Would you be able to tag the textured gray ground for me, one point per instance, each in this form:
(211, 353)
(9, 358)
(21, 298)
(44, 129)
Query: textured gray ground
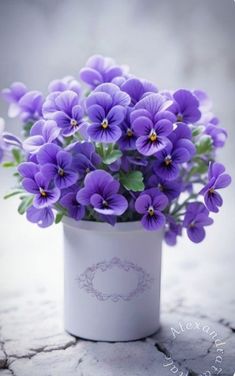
(176, 43)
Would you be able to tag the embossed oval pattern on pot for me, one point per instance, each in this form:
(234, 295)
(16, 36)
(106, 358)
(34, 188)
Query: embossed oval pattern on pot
(115, 280)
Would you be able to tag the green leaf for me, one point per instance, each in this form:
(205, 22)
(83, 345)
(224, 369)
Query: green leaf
(12, 194)
(132, 181)
(112, 156)
(25, 204)
(17, 155)
(59, 217)
(8, 164)
(204, 145)
(197, 130)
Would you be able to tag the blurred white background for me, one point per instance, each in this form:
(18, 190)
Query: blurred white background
(183, 43)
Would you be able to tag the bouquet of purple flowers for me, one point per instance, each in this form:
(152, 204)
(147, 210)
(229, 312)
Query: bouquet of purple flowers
(120, 150)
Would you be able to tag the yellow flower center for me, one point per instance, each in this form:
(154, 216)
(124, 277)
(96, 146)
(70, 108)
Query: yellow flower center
(129, 132)
(168, 160)
(180, 117)
(73, 122)
(42, 192)
(105, 204)
(153, 136)
(105, 124)
(61, 172)
(151, 211)
(211, 190)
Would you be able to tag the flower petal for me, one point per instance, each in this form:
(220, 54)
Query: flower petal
(142, 203)
(154, 222)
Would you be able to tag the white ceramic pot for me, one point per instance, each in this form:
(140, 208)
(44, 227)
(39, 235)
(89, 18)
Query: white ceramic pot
(112, 279)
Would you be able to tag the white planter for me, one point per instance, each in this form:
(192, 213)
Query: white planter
(112, 279)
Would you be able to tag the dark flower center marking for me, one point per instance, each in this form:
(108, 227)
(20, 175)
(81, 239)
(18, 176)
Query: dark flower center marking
(151, 211)
(192, 224)
(42, 192)
(211, 191)
(73, 123)
(87, 170)
(180, 117)
(105, 204)
(60, 171)
(168, 160)
(129, 132)
(160, 187)
(153, 136)
(105, 124)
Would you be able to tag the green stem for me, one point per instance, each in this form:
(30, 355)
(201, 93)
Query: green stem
(194, 195)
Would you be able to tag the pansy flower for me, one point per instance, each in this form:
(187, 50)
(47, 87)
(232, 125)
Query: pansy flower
(137, 88)
(170, 188)
(43, 217)
(74, 208)
(168, 161)
(217, 180)
(106, 108)
(185, 106)
(34, 182)
(12, 95)
(85, 158)
(66, 110)
(128, 138)
(152, 123)
(150, 204)
(196, 218)
(101, 192)
(63, 84)
(173, 229)
(42, 132)
(99, 70)
(56, 165)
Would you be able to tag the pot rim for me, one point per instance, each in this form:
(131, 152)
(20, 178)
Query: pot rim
(102, 226)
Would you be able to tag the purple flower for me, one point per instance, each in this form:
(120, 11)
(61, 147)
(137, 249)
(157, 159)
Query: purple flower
(100, 191)
(57, 165)
(34, 182)
(31, 106)
(66, 83)
(42, 132)
(137, 89)
(150, 203)
(99, 70)
(128, 138)
(75, 210)
(173, 229)
(217, 180)
(218, 135)
(12, 96)
(106, 108)
(196, 218)
(152, 124)
(43, 217)
(185, 106)
(171, 188)
(85, 159)
(168, 162)
(66, 110)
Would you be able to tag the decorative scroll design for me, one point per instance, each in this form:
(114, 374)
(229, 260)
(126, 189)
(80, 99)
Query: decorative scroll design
(86, 280)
